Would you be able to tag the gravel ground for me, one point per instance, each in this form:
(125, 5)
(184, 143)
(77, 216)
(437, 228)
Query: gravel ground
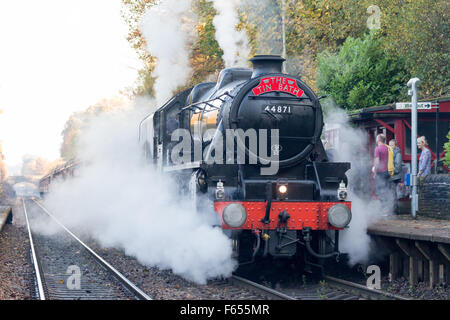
(399, 287)
(16, 272)
(420, 291)
(164, 285)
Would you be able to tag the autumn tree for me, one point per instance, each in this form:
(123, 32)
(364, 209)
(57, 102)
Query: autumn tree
(79, 120)
(206, 53)
(263, 21)
(132, 12)
(313, 26)
(418, 31)
(206, 57)
(413, 33)
(34, 165)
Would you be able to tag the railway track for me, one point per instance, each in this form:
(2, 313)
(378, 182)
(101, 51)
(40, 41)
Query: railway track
(248, 284)
(329, 289)
(66, 268)
(361, 291)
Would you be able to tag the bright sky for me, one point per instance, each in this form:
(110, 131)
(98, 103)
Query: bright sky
(57, 57)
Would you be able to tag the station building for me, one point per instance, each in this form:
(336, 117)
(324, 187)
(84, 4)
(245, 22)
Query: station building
(394, 121)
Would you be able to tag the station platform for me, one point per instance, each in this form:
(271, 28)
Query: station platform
(404, 226)
(419, 249)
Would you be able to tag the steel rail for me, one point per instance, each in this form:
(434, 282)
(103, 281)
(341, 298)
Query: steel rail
(361, 289)
(253, 285)
(339, 286)
(132, 287)
(34, 257)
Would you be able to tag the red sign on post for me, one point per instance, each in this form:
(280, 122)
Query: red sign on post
(282, 84)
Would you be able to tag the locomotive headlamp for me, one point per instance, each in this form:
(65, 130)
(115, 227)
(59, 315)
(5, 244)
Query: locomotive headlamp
(234, 215)
(220, 191)
(282, 191)
(339, 215)
(342, 191)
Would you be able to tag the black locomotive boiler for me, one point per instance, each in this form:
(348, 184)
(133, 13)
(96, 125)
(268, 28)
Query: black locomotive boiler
(248, 149)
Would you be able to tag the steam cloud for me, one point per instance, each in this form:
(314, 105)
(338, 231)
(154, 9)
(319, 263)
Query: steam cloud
(233, 42)
(121, 202)
(117, 200)
(352, 147)
(168, 29)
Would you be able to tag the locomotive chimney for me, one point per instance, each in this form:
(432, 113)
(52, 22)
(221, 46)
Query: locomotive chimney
(264, 64)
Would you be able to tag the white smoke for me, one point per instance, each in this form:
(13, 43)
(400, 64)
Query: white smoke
(352, 147)
(121, 202)
(233, 42)
(169, 29)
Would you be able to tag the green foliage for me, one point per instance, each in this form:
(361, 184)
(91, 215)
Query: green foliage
(361, 74)
(447, 151)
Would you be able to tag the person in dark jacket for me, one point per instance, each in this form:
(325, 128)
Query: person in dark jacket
(397, 177)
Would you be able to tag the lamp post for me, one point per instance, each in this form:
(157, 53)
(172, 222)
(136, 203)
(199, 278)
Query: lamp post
(283, 26)
(413, 84)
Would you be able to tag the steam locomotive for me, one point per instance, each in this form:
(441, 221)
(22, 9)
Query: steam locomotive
(247, 148)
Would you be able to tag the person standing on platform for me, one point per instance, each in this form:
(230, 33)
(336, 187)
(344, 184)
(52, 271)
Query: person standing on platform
(397, 177)
(425, 158)
(382, 178)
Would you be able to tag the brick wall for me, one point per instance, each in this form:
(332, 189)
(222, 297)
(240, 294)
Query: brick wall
(434, 196)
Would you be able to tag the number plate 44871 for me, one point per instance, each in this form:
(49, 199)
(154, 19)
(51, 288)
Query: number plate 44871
(278, 109)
